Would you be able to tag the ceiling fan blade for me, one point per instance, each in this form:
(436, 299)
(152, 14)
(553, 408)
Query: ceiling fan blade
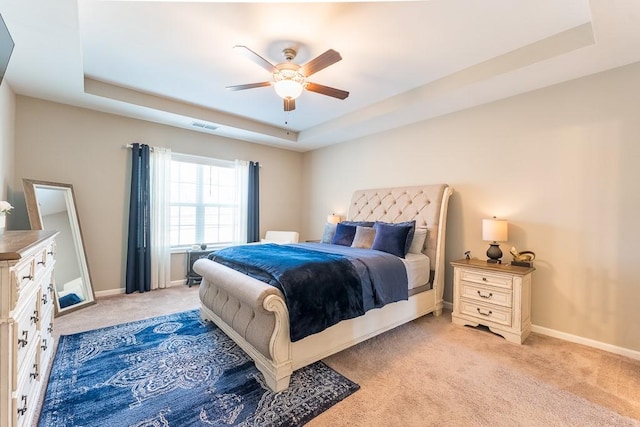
(249, 86)
(326, 90)
(289, 104)
(320, 63)
(255, 58)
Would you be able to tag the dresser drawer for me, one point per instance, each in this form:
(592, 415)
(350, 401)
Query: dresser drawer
(47, 294)
(27, 320)
(24, 274)
(489, 295)
(26, 395)
(46, 339)
(486, 313)
(490, 279)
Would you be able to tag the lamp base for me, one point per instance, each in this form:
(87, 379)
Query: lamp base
(494, 253)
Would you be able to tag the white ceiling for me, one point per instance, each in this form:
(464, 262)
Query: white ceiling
(169, 62)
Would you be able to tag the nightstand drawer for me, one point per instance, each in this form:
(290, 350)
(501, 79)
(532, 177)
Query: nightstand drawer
(490, 295)
(486, 313)
(502, 281)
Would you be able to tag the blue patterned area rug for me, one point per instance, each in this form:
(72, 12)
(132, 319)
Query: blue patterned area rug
(176, 370)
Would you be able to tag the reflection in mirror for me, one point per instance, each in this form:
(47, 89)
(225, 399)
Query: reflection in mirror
(51, 206)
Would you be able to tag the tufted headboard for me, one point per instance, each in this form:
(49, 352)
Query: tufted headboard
(426, 204)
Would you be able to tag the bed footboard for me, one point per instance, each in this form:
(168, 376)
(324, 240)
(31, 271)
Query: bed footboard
(253, 314)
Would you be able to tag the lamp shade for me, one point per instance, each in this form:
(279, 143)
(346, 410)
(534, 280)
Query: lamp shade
(333, 219)
(495, 230)
(288, 89)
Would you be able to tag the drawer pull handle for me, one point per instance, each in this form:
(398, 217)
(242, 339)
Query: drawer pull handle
(484, 314)
(44, 264)
(485, 296)
(484, 279)
(35, 318)
(29, 277)
(34, 374)
(22, 342)
(50, 287)
(44, 299)
(23, 410)
(44, 345)
(50, 253)
(50, 328)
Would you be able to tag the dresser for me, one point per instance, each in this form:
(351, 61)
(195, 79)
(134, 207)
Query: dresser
(27, 261)
(494, 295)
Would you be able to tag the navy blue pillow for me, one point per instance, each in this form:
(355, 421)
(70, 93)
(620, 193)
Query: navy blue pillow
(394, 238)
(344, 234)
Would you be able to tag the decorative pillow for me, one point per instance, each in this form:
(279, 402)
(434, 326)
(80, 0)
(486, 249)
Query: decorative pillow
(394, 238)
(417, 243)
(344, 234)
(329, 232)
(364, 237)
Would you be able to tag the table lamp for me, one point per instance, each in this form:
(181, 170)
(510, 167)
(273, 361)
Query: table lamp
(333, 218)
(494, 230)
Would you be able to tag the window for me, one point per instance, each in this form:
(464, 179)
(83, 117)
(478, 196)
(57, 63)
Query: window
(204, 201)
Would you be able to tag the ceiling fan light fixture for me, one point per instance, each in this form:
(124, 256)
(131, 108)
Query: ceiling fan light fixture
(290, 79)
(288, 89)
(288, 83)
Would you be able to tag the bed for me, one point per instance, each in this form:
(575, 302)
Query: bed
(255, 315)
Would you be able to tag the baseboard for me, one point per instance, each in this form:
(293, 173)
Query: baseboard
(632, 354)
(112, 292)
(109, 293)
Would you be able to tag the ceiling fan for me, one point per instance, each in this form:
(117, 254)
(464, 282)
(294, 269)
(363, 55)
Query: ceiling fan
(289, 78)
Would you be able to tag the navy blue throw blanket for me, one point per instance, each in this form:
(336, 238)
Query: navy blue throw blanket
(320, 289)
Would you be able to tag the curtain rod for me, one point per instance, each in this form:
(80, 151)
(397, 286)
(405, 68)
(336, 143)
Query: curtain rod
(151, 149)
(131, 146)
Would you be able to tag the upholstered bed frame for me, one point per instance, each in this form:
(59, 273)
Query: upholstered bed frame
(255, 316)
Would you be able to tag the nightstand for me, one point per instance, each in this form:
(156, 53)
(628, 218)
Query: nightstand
(194, 278)
(494, 295)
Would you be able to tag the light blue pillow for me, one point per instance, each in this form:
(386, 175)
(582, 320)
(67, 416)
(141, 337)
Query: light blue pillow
(329, 232)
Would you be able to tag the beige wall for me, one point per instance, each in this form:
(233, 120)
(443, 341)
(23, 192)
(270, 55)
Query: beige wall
(7, 138)
(561, 164)
(59, 143)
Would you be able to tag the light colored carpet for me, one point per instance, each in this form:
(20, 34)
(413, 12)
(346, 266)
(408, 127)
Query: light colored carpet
(430, 372)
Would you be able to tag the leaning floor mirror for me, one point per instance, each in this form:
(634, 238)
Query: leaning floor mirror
(51, 206)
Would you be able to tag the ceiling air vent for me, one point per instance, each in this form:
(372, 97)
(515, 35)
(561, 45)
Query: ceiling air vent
(202, 125)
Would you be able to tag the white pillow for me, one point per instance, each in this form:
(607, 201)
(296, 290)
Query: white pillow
(419, 237)
(364, 237)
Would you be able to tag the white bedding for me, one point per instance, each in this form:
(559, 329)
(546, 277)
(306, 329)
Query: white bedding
(418, 269)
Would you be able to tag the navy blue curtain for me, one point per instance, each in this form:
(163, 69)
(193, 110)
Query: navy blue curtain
(139, 244)
(253, 207)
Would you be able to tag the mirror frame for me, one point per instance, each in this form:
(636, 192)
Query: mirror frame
(35, 218)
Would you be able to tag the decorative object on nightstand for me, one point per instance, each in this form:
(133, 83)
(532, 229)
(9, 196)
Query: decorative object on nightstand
(494, 295)
(522, 259)
(494, 230)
